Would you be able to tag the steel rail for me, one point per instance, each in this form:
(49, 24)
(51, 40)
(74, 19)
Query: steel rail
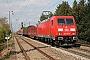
(22, 50)
(76, 52)
(87, 45)
(48, 56)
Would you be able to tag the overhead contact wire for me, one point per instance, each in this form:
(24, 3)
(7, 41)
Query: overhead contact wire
(24, 8)
(8, 5)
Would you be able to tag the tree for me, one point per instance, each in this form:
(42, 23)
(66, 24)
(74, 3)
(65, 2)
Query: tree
(2, 34)
(82, 15)
(3, 20)
(63, 9)
(51, 14)
(6, 28)
(43, 16)
(5, 25)
(75, 10)
(81, 19)
(87, 19)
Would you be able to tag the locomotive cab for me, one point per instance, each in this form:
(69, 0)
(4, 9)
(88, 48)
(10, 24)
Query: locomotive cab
(64, 30)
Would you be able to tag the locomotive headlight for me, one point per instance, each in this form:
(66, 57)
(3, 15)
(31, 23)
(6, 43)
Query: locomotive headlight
(60, 29)
(73, 33)
(72, 29)
(60, 33)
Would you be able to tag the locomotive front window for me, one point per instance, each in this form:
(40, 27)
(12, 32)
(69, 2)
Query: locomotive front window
(61, 21)
(69, 21)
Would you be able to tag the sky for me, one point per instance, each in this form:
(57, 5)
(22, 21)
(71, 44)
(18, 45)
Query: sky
(27, 11)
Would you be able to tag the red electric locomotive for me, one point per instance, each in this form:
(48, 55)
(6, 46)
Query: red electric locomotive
(58, 30)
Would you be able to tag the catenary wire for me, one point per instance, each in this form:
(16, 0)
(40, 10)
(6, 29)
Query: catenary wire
(51, 6)
(8, 5)
(54, 4)
(24, 9)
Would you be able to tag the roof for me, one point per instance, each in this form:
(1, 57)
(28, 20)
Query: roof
(61, 17)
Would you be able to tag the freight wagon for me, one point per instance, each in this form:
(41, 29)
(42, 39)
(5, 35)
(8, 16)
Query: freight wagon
(32, 31)
(25, 31)
(20, 32)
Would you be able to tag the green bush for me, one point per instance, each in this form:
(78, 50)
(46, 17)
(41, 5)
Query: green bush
(2, 35)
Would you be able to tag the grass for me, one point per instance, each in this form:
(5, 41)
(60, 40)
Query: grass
(4, 46)
(82, 41)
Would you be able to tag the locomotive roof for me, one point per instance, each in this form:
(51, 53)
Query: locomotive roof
(61, 17)
(53, 17)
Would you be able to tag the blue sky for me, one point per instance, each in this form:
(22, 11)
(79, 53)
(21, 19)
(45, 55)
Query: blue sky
(27, 10)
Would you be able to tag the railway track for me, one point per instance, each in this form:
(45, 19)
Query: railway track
(22, 50)
(87, 45)
(52, 52)
(26, 55)
(35, 50)
(83, 51)
(57, 53)
(48, 56)
(79, 53)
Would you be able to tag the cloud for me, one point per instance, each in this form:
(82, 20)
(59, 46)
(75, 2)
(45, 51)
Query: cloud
(27, 9)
